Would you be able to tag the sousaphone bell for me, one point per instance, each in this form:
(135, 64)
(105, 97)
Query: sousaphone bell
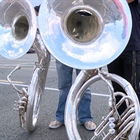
(17, 28)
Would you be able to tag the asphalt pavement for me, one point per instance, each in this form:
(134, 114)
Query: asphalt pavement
(9, 121)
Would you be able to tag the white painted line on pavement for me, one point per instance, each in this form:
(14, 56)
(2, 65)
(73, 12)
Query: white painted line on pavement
(52, 89)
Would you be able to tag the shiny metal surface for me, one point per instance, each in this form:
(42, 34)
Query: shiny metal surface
(85, 34)
(17, 27)
(126, 126)
(38, 81)
(29, 101)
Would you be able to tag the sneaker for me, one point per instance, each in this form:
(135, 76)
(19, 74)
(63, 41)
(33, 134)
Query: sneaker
(89, 125)
(55, 124)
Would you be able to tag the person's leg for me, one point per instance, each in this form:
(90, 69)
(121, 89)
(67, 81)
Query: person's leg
(117, 67)
(138, 76)
(84, 110)
(132, 69)
(127, 65)
(134, 73)
(137, 73)
(64, 84)
(135, 79)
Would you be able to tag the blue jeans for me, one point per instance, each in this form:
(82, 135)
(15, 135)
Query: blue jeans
(64, 85)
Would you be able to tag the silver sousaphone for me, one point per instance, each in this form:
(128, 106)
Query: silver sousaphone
(88, 34)
(18, 32)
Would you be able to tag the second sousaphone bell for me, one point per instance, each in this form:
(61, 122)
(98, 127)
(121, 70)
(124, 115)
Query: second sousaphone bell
(85, 34)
